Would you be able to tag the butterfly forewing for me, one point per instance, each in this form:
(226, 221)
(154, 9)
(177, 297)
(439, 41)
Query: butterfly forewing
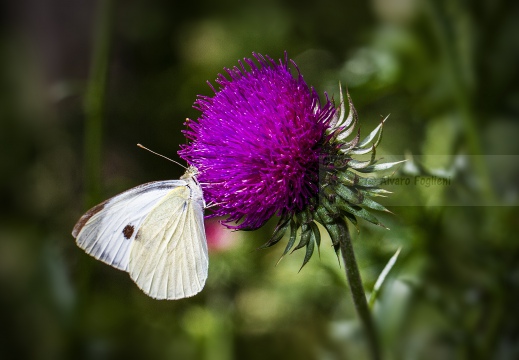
(107, 231)
(169, 257)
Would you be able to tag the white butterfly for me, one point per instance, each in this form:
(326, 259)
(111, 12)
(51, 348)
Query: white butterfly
(155, 232)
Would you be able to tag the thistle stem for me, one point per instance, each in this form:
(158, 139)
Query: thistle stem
(357, 290)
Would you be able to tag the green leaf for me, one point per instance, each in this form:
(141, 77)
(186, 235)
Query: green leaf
(373, 205)
(316, 236)
(359, 151)
(362, 213)
(293, 235)
(379, 167)
(371, 181)
(354, 164)
(306, 233)
(309, 250)
(278, 233)
(377, 192)
(351, 120)
(382, 277)
(327, 191)
(372, 135)
(305, 217)
(324, 215)
(332, 209)
(348, 194)
(333, 230)
(316, 232)
(347, 177)
(352, 219)
(347, 146)
(338, 117)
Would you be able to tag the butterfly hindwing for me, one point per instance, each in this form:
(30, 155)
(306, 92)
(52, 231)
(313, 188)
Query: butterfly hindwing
(169, 258)
(108, 230)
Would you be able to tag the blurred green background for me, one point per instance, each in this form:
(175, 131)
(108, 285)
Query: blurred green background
(83, 81)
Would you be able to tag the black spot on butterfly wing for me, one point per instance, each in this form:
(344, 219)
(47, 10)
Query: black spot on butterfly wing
(138, 190)
(128, 231)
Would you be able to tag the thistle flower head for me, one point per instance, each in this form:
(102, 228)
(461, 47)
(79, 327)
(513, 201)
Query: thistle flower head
(264, 145)
(257, 142)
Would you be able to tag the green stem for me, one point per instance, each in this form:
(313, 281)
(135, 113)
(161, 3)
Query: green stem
(446, 33)
(94, 102)
(93, 108)
(357, 290)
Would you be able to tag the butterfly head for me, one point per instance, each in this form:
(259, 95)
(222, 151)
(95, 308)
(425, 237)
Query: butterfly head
(190, 172)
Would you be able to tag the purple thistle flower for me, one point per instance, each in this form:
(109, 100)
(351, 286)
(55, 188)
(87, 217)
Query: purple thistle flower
(258, 142)
(264, 146)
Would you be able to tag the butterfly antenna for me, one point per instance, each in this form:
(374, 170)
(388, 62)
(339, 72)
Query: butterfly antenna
(165, 157)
